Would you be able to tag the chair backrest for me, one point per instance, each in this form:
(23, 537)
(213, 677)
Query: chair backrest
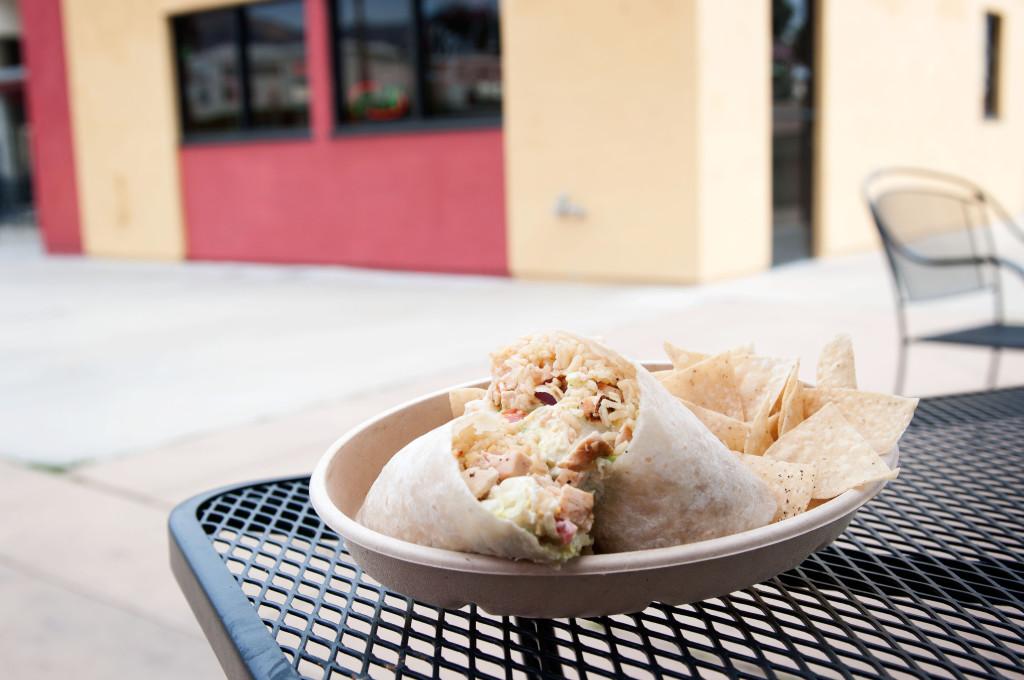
(921, 214)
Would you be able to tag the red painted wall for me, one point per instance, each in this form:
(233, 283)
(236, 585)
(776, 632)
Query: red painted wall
(425, 201)
(49, 115)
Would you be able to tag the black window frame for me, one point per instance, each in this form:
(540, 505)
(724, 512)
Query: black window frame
(417, 121)
(991, 97)
(246, 132)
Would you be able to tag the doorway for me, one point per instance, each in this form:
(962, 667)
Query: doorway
(792, 128)
(15, 168)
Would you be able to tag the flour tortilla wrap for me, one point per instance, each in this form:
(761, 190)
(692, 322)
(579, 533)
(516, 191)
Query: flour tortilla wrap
(677, 484)
(420, 497)
(669, 480)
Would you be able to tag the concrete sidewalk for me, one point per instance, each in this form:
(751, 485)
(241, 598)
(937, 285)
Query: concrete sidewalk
(146, 383)
(100, 359)
(133, 355)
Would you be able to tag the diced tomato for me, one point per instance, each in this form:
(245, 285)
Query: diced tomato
(513, 415)
(566, 530)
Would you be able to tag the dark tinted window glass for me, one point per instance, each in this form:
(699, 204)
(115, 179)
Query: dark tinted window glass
(462, 57)
(276, 55)
(792, 51)
(211, 86)
(10, 51)
(375, 55)
(993, 31)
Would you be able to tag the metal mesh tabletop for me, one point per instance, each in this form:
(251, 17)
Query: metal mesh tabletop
(928, 580)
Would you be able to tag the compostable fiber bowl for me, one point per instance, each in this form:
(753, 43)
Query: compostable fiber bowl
(592, 585)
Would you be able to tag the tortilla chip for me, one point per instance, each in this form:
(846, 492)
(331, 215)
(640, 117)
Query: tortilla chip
(458, 398)
(842, 458)
(682, 358)
(710, 383)
(773, 425)
(790, 483)
(731, 432)
(835, 364)
(791, 411)
(759, 438)
(758, 379)
(879, 418)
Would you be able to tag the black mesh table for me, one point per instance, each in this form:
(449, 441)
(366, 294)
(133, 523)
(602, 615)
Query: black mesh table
(928, 580)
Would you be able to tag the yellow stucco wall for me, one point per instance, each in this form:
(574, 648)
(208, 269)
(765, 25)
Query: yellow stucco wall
(124, 120)
(733, 138)
(599, 105)
(653, 116)
(901, 84)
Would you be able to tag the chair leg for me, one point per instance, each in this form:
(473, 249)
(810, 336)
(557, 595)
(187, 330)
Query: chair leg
(993, 367)
(901, 367)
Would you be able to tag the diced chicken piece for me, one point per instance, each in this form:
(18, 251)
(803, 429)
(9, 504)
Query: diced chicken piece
(586, 452)
(576, 506)
(545, 482)
(569, 477)
(480, 480)
(507, 465)
(508, 398)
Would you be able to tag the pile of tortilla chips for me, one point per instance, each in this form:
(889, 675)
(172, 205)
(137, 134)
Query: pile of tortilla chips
(809, 444)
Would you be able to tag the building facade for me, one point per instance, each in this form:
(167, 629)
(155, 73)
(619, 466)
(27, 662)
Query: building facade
(649, 140)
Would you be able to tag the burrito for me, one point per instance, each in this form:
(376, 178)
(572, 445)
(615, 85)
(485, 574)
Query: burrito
(570, 444)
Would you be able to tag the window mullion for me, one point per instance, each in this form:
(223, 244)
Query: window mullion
(243, 67)
(339, 82)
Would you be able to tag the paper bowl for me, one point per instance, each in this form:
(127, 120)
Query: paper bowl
(592, 585)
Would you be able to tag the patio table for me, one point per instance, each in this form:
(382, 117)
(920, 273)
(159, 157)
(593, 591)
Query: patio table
(928, 580)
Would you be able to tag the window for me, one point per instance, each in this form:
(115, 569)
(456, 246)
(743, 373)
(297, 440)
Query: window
(416, 60)
(376, 58)
(462, 58)
(242, 69)
(993, 48)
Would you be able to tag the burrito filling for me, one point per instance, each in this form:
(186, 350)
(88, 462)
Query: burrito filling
(535, 449)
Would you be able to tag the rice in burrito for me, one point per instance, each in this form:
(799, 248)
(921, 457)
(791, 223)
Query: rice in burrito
(566, 431)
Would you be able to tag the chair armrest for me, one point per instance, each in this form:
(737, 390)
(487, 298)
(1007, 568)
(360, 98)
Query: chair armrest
(966, 261)
(970, 261)
(893, 245)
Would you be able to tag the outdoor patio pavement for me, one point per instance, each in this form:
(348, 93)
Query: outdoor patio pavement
(126, 387)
